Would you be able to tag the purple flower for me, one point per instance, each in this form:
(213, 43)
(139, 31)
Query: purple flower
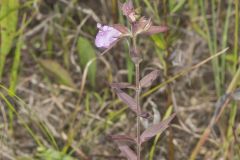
(106, 36)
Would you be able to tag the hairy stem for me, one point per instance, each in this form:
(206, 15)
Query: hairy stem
(138, 111)
(137, 89)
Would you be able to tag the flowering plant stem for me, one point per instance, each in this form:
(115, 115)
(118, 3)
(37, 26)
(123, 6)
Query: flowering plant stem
(138, 110)
(137, 90)
(106, 38)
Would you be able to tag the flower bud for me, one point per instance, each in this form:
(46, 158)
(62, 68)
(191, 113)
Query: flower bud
(128, 11)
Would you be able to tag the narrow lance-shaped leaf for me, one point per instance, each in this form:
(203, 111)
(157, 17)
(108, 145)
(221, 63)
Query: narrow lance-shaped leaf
(156, 129)
(122, 85)
(130, 102)
(128, 152)
(122, 138)
(156, 29)
(149, 78)
(127, 99)
(121, 28)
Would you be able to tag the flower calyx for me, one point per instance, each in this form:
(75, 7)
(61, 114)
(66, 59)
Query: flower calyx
(144, 26)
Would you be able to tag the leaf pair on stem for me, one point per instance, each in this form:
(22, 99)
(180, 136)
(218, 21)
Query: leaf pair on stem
(155, 129)
(132, 104)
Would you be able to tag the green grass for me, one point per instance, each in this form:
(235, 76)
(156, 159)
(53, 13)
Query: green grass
(233, 110)
(8, 29)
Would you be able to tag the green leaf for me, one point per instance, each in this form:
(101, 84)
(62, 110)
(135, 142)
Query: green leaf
(8, 27)
(55, 70)
(86, 53)
(51, 154)
(159, 41)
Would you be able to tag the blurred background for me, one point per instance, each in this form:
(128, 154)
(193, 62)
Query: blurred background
(55, 99)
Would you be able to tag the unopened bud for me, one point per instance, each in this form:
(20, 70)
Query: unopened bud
(129, 11)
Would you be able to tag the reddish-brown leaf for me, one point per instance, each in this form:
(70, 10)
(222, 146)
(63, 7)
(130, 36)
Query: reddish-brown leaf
(127, 99)
(121, 28)
(156, 29)
(123, 138)
(130, 102)
(156, 129)
(122, 85)
(149, 78)
(128, 152)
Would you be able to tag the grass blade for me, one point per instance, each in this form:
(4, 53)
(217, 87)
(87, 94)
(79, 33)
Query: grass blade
(16, 60)
(8, 27)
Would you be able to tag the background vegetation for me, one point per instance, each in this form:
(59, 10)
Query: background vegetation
(55, 99)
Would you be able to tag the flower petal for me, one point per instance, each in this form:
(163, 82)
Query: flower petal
(106, 36)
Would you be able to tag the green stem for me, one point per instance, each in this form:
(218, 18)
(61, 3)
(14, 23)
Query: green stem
(236, 34)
